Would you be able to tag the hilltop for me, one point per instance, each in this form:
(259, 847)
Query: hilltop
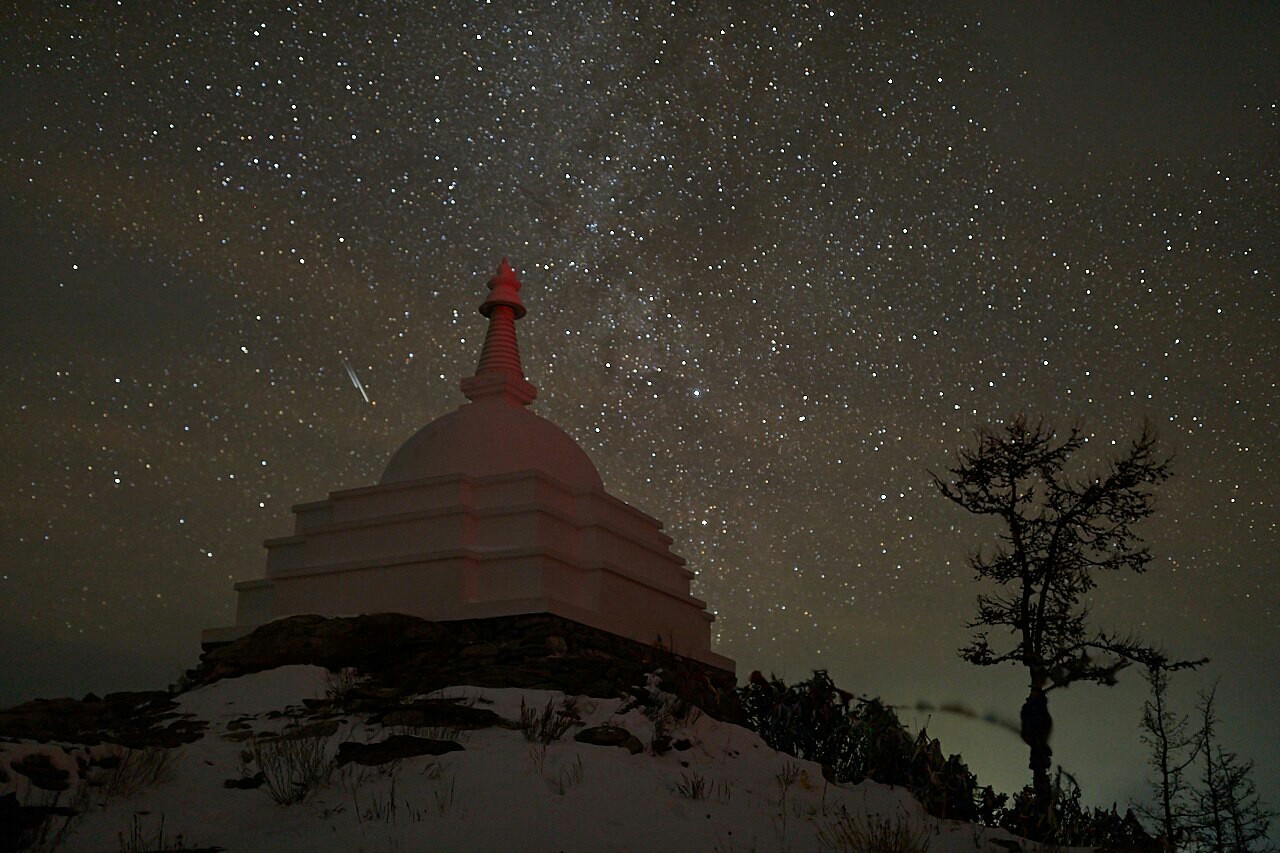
(386, 733)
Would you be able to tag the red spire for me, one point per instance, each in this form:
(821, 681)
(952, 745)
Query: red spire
(499, 371)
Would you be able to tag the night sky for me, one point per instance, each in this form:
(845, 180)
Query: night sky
(780, 260)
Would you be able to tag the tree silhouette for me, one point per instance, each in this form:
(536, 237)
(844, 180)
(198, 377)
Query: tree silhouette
(1057, 531)
(1173, 748)
(1230, 816)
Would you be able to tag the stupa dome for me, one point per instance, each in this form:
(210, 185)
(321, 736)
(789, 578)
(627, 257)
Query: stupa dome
(495, 433)
(490, 437)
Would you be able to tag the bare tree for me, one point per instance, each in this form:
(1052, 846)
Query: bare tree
(1173, 749)
(1230, 816)
(1056, 533)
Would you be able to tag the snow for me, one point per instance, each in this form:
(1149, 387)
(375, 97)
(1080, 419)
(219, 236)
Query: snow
(726, 791)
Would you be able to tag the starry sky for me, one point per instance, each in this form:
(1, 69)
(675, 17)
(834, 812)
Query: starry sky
(780, 260)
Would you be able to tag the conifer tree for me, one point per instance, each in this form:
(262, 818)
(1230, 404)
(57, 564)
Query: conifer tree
(1057, 531)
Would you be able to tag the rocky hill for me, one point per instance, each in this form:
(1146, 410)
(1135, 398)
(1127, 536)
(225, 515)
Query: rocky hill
(390, 733)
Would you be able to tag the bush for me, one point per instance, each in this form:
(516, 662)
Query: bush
(134, 770)
(1072, 824)
(857, 739)
(294, 766)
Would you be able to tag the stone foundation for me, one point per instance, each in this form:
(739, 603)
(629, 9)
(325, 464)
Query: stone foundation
(534, 651)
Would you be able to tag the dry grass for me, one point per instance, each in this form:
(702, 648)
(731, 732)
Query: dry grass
(873, 835)
(294, 766)
(549, 725)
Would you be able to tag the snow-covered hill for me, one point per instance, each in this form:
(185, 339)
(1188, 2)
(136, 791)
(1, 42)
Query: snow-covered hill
(660, 776)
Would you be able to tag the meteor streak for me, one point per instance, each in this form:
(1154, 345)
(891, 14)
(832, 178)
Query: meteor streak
(355, 380)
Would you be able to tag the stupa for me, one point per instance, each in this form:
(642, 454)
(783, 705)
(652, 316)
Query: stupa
(490, 511)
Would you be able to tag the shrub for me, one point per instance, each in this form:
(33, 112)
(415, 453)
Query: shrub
(858, 739)
(137, 769)
(1070, 823)
(294, 766)
(339, 685)
(551, 724)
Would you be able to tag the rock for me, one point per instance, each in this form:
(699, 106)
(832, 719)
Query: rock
(246, 783)
(441, 713)
(403, 655)
(320, 728)
(39, 768)
(21, 825)
(131, 719)
(371, 642)
(393, 748)
(610, 736)
(480, 650)
(176, 734)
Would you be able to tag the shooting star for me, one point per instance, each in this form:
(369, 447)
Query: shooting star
(355, 380)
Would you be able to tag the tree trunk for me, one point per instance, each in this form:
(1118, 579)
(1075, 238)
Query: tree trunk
(1160, 731)
(1037, 725)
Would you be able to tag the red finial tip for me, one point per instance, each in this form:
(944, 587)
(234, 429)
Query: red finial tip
(504, 289)
(499, 373)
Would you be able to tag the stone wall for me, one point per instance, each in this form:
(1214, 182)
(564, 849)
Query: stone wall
(409, 655)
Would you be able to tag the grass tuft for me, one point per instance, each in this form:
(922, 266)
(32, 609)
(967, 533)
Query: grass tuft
(139, 840)
(551, 724)
(294, 766)
(873, 835)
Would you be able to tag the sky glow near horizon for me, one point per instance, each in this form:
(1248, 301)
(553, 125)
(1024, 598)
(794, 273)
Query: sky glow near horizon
(779, 261)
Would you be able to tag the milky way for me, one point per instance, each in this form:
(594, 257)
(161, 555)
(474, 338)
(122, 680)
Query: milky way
(779, 260)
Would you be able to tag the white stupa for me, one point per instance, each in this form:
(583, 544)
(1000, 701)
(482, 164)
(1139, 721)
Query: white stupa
(489, 511)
